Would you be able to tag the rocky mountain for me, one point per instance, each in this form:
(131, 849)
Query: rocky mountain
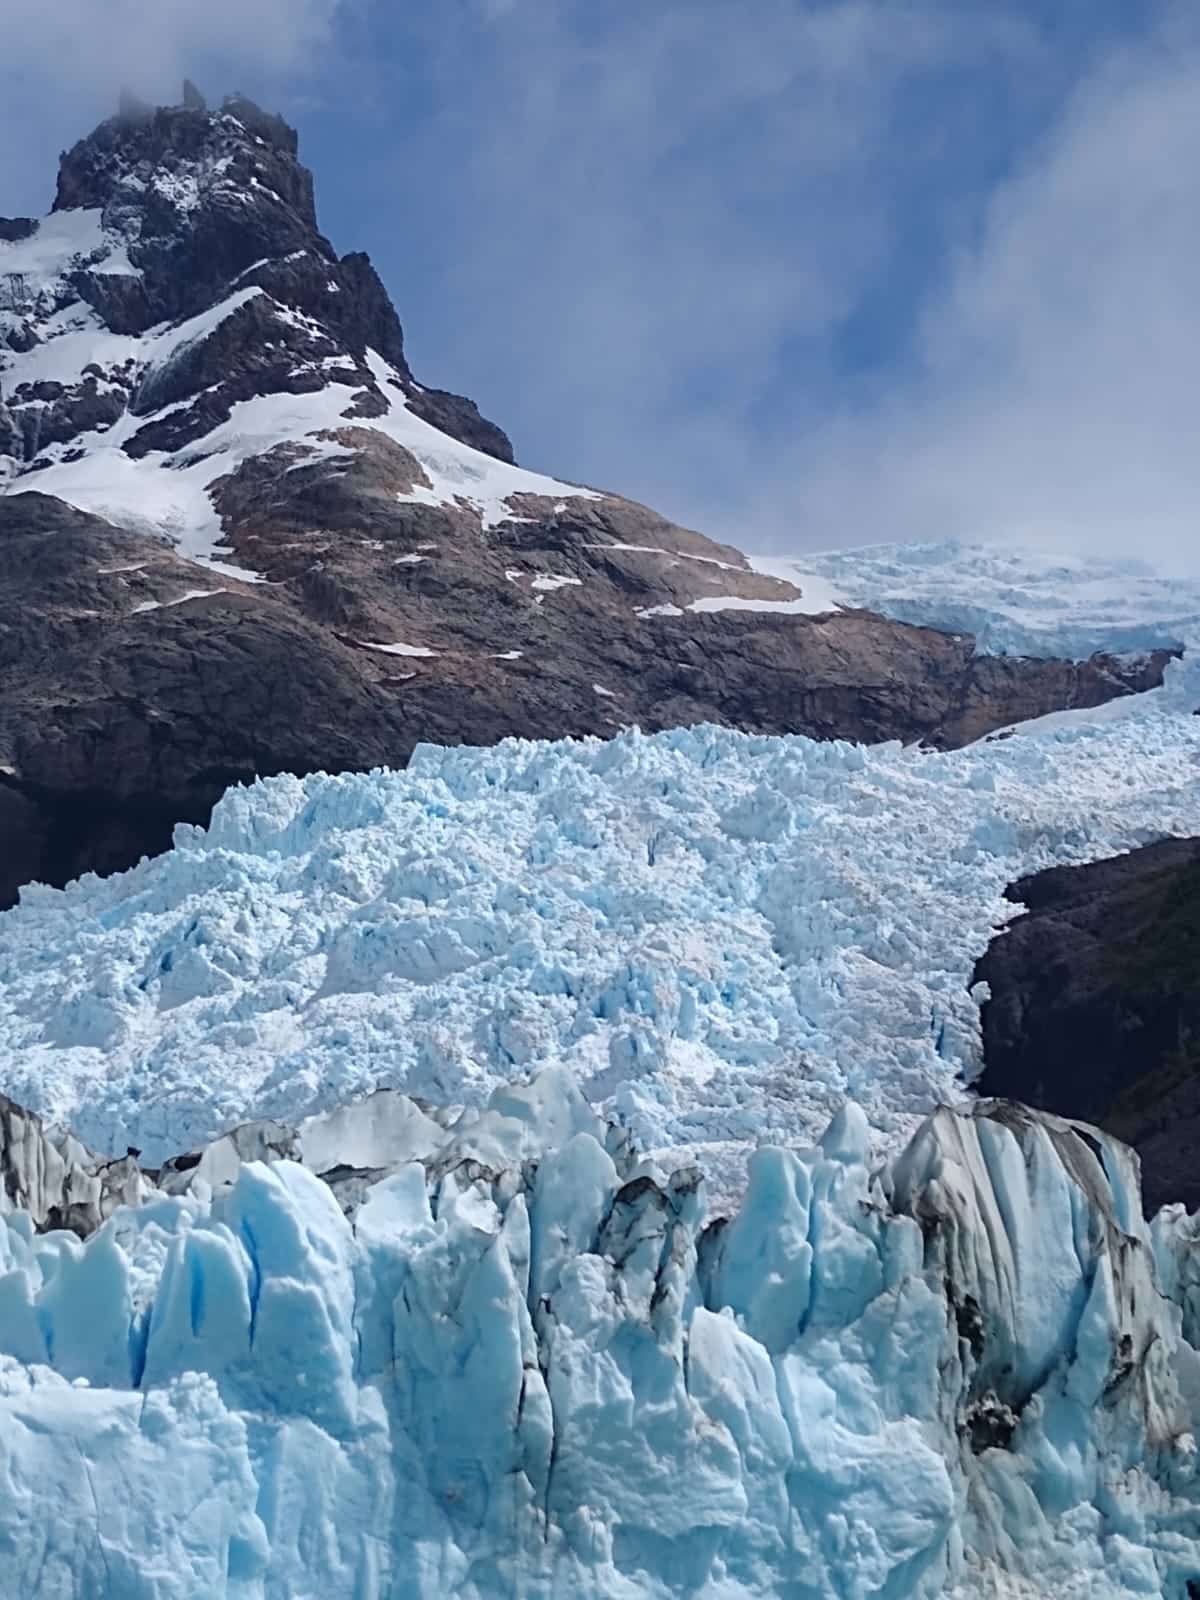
(1095, 1005)
(237, 536)
(551, 1168)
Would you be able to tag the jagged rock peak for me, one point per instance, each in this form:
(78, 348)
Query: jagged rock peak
(162, 216)
(151, 152)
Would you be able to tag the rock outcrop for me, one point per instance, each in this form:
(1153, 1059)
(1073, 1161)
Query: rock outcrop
(1095, 1006)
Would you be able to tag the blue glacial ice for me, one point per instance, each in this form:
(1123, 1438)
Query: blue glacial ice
(519, 1363)
(621, 1226)
(720, 936)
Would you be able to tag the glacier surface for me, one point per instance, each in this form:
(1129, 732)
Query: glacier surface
(1015, 601)
(720, 936)
(522, 1365)
(464, 1319)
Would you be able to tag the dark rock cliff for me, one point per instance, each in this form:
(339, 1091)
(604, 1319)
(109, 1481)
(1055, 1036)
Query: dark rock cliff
(181, 311)
(1095, 1006)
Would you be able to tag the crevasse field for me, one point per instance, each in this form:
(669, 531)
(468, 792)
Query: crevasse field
(721, 936)
(525, 1367)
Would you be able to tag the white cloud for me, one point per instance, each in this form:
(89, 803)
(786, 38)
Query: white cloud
(150, 43)
(635, 234)
(62, 65)
(659, 224)
(650, 203)
(1056, 399)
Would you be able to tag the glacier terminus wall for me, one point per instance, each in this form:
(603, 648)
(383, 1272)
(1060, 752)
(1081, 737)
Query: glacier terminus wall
(503, 1356)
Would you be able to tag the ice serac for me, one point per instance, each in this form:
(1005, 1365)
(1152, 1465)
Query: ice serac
(54, 1180)
(720, 936)
(520, 1361)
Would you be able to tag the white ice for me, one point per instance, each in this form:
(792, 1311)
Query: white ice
(526, 1370)
(1015, 602)
(719, 935)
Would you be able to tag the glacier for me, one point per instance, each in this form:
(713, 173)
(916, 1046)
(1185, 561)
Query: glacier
(521, 1361)
(1022, 602)
(552, 1170)
(721, 936)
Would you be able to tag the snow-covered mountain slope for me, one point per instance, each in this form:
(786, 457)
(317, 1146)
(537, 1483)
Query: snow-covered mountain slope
(1014, 601)
(720, 935)
(178, 314)
(178, 330)
(524, 1367)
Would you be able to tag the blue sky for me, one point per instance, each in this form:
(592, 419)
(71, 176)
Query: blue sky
(801, 274)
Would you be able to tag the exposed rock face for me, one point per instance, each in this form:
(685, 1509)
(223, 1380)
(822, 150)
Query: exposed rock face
(186, 357)
(116, 723)
(1095, 1006)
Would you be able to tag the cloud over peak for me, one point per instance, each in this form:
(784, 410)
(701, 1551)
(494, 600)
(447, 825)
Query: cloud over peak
(849, 270)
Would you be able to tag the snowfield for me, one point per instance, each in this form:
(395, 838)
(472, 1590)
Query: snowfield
(1015, 602)
(719, 936)
(168, 494)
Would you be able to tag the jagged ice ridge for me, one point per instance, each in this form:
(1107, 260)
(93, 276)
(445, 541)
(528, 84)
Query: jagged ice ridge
(524, 1366)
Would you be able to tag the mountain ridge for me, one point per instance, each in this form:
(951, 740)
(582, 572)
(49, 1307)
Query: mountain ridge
(187, 362)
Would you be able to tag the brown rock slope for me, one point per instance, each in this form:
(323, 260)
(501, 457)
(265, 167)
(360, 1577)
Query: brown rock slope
(135, 686)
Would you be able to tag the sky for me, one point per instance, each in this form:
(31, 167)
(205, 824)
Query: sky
(801, 273)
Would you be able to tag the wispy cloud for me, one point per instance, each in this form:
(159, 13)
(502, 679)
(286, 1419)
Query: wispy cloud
(80, 42)
(62, 65)
(1055, 397)
(661, 233)
(653, 217)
